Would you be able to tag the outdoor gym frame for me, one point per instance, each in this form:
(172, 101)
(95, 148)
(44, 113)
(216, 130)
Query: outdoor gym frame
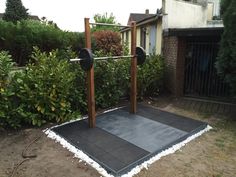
(90, 72)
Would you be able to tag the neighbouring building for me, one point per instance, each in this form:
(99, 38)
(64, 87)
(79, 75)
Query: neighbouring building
(149, 31)
(191, 13)
(191, 35)
(187, 33)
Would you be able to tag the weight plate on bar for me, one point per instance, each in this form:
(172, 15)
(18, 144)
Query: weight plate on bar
(141, 55)
(87, 59)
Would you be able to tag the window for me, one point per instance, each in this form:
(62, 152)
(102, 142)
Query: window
(143, 37)
(123, 37)
(127, 36)
(210, 8)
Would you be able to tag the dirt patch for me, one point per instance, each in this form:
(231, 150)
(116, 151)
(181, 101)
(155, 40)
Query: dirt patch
(212, 155)
(52, 159)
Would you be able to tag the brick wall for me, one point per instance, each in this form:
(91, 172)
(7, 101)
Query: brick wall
(174, 52)
(170, 47)
(180, 67)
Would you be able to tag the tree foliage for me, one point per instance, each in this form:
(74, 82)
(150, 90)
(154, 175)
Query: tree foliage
(226, 60)
(15, 11)
(38, 94)
(20, 38)
(98, 18)
(105, 18)
(108, 42)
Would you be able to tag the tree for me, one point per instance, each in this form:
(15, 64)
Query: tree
(15, 11)
(45, 21)
(226, 60)
(98, 18)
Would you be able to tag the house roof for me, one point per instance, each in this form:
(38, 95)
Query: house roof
(139, 17)
(32, 17)
(148, 19)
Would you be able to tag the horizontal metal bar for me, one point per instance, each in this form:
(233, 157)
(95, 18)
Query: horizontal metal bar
(105, 58)
(113, 57)
(108, 24)
(76, 59)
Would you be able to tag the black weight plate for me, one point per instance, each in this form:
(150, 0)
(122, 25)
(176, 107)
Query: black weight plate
(141, 55)
(87, 59)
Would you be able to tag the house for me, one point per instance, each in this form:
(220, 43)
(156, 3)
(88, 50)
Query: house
(187, 33)
(150, 27)
(32, 17)
(191, 13)
(200, 14)
(149, 31)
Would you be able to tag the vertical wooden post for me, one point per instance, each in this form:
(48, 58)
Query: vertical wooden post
(90, 80)
(133, 95)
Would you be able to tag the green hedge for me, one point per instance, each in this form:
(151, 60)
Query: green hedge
(39, 94)
(19, 39)
(226, 60)
(51, 89)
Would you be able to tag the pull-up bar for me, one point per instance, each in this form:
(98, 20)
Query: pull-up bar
(108, 24)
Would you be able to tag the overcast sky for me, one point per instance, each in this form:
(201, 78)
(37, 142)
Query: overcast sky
(69, 14)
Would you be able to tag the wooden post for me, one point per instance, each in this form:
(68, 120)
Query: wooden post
(133, 95)
(90, 80)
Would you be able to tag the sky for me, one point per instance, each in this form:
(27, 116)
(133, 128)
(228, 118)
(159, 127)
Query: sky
(69, 14)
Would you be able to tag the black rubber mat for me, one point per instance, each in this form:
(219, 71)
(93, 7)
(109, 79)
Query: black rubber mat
(145, 133)
(173, 120)
(123, 140)
(110, 151)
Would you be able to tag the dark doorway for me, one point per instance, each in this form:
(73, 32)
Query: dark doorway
(201, 79)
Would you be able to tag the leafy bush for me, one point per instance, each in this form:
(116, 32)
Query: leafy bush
(8, 108)
(111, 82)
(226, 60)
(44, 89)
(150, 76)
(19, 39)
(39, 94)
(6, 66)
(108, 42)
(50, 89)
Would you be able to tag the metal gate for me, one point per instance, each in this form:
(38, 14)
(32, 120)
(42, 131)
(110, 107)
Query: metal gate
(201, 79)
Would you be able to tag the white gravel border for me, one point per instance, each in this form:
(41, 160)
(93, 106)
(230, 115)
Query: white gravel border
(81, 155)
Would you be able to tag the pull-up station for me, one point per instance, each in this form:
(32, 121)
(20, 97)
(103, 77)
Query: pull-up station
(124, 138)
(108, 24)
(86, 60)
